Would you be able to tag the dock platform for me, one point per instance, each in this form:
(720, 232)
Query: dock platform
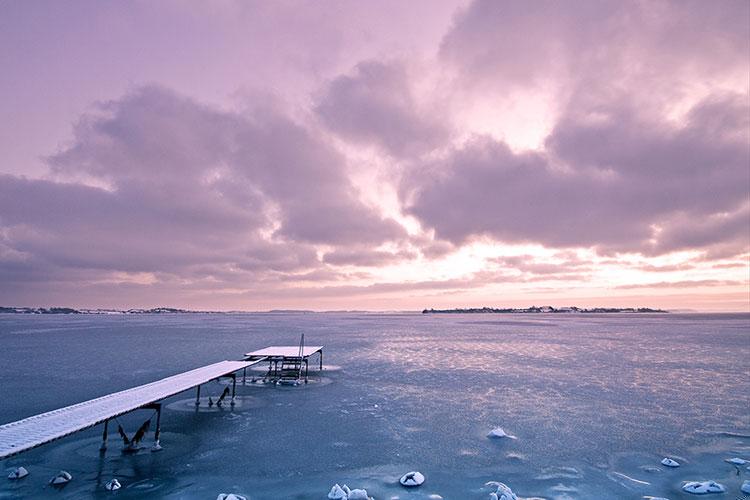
(22, 435)
(287, 363)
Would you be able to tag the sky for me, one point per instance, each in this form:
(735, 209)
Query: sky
(389, 155)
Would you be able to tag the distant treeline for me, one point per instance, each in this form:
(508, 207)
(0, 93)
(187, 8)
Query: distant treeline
(69, 310)
(544, 309)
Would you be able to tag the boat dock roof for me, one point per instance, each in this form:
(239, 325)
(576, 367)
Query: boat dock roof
(31, 432)
(284, 351)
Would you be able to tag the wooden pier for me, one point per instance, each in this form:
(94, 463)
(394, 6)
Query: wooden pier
(28, 433)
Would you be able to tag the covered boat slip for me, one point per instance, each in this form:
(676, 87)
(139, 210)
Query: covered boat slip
(22, 435)
(287, 363)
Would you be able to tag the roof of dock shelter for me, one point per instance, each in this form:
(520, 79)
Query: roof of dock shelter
(284, 351)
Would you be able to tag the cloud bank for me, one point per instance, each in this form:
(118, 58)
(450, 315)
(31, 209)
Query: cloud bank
(402, 175)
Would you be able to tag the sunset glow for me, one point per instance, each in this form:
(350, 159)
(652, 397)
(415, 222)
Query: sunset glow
(333, 155)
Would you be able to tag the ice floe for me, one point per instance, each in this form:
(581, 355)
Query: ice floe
(345, 493)
(499, 433)
(61, 478)
(230, 496)
(745, 488)
(337, 493)
(668, 462)
(703, 487)
(18, 473)
(502, 492)
(358, 494)
(736, 461)
(112, 485)
(413, 478)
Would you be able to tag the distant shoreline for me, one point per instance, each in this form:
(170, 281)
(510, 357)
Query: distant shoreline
(472, 310)
(545, 309)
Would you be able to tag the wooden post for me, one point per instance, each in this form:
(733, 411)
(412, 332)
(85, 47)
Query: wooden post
(103, 447)
(198, 396)
(157, 433)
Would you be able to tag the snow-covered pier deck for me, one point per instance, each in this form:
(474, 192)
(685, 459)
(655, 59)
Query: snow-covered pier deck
(22, 435)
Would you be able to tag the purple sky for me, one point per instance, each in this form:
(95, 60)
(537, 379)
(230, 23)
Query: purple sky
(375, 155)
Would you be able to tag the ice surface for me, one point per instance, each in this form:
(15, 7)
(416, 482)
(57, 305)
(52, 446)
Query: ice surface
(413, 392)
(745, 488)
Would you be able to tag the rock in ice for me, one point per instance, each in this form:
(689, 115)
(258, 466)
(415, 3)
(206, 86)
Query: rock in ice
(62, 477)
(497, 432)
(413, 478)
(230, 496)
(337, 493)
(18, 473)
(736, 461)
(669, 462)
(503, 492)
(745, 488)
(358, 494)
(112, 485)
(703, 487)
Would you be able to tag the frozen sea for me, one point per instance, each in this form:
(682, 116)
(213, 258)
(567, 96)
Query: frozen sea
(592, 402)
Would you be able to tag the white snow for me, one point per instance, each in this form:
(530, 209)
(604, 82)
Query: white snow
(230, 496)
(503, 491)
(412, 478)
(337, 493)
(745, 488)
(736, 461)
(497, 432)
(18, 473)
(669, 462)
(344, 493)
(358, 494)
(62, 477)
(112, 485)
(703, 487)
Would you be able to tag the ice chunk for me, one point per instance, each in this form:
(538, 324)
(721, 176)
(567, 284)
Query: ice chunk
(745, 488)
(62, 477)
(497, 432)
(230, 496)
(703, 487)
(736, 461)
(413, 478)
(112, 485)
(18, 473)
(358, 494)
(669, 462)
(337, 493)
(503, 492)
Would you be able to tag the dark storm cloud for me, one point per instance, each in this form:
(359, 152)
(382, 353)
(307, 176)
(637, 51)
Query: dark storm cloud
(186, 185)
